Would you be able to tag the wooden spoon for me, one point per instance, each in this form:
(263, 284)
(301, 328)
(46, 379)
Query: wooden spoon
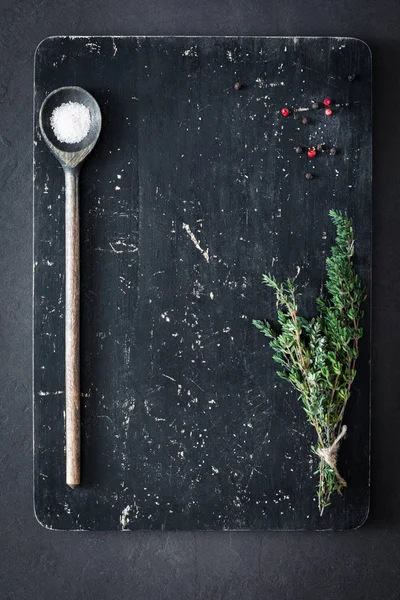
(71, 156)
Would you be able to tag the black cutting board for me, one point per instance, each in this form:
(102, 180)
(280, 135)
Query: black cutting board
(193, 191)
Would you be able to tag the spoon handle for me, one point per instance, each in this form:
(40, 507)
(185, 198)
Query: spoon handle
(72, 375)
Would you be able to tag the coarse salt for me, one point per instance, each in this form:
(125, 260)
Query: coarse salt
(70, 122)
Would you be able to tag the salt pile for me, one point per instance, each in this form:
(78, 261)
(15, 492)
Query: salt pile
(70, 122)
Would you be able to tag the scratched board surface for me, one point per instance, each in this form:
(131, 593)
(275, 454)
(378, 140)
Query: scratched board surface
(193, 191)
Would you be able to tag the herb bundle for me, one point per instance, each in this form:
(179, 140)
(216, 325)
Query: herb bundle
(318, 356)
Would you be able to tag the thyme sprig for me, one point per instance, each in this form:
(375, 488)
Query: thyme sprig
(318, 356)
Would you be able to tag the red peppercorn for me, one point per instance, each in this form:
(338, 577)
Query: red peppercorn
(328, 112)
(285, 112)
(327, 102)
(311, 152)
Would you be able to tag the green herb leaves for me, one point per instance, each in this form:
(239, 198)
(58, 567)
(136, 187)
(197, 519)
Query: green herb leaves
(318, 356)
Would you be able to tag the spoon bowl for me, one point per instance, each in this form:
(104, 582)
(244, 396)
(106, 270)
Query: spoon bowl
(70, 154)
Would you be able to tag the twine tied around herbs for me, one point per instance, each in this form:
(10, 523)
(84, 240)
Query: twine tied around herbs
(329, 455)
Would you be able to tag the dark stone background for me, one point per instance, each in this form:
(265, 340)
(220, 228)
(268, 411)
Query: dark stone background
(39, 564)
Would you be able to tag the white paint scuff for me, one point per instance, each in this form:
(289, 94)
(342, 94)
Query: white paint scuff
(115, 49)
(190, 51)
(125, 518)
(191, 235)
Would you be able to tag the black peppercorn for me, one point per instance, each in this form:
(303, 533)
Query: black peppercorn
(299, 150)
(304, 121)
(320, 147)
(309, 176)
(315, 105)
(333, 151)
(351, 77)
(237, 86)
